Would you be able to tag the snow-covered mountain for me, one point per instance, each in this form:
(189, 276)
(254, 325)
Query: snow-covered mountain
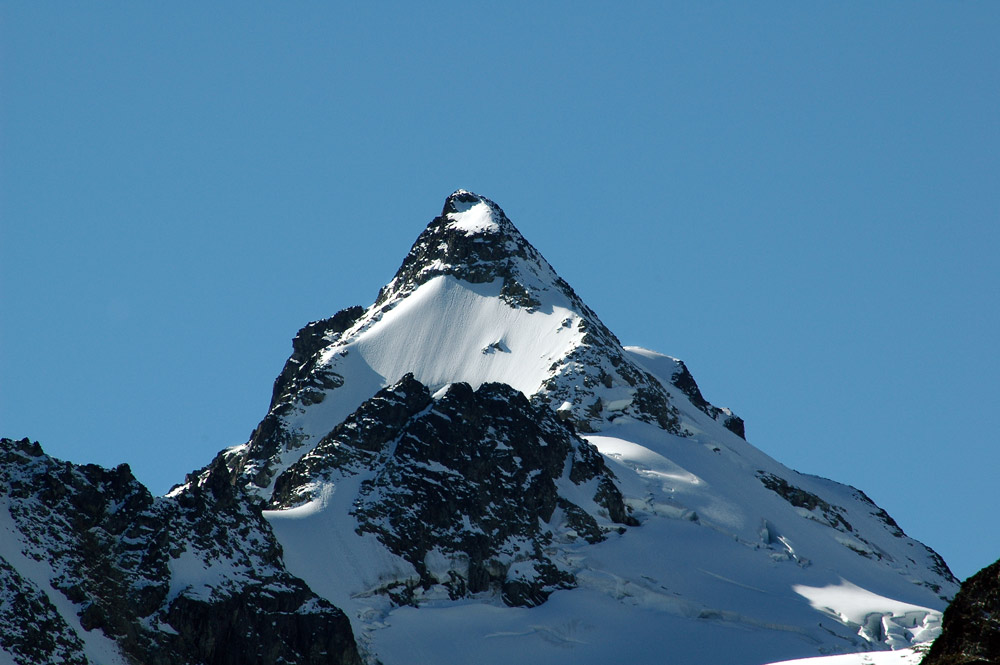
(429, 465)
(475, 470)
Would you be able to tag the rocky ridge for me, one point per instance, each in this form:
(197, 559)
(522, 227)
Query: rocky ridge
(470, 487)
(121, 575)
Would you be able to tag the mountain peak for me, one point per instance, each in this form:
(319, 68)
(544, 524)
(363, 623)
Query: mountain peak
(478, 435)
(474, 240)
(472, 214)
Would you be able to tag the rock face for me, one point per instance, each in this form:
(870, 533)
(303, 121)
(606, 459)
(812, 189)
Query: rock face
(470, 488)
(96, 568)
(971, 628)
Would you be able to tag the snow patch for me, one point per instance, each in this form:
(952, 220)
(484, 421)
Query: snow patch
(911, 656)
(429, 335)
(473, 218)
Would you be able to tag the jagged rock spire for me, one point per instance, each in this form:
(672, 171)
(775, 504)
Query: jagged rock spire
(472, 239)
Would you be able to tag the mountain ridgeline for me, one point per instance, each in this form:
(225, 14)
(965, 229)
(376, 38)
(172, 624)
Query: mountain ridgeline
(471, 469)
(97, 570)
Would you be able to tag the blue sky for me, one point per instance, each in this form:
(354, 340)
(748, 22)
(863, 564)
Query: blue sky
(798, 199)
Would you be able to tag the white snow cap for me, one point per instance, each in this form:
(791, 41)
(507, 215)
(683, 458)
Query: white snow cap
(472, 214)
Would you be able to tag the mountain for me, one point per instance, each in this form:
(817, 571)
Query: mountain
(475, 469)
(477, 442)
(96, 570)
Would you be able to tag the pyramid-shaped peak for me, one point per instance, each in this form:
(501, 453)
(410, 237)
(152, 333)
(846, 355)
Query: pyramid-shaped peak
(473, 240)
(472, 214)
(462, 200)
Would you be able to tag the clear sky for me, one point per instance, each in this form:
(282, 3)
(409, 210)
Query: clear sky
(801, 200)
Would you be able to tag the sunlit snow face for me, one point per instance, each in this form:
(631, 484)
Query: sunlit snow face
(473, 218)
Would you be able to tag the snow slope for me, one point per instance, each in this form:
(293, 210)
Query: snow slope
(901, 657)
(735, 559)
(695, 578)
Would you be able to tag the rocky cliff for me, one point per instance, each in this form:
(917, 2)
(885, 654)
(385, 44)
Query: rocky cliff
(971, 627)
(96, 570)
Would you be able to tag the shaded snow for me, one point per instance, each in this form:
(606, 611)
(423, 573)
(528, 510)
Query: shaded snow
(696, 578)
(322, 547)
(719, 559)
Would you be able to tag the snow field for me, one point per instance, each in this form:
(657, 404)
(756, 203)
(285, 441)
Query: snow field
(901, 657)
(429, 334)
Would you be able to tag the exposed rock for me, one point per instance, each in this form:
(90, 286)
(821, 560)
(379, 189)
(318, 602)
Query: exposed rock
(195, 577)
(473, 477)
(493, 250)
(298, 373)
(971, 626)
(31, 628)
(800, 498)
(684, 381)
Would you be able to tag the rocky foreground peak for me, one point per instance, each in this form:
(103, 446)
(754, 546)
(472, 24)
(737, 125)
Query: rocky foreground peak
(471, 487)
(93, 569)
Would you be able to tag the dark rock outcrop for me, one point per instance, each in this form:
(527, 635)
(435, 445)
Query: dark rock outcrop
(298, 374)
(195, 577)
(971, 626)
(800, 498)
(31, 628)
(496, 251)
(684, 381)
(474, 477)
